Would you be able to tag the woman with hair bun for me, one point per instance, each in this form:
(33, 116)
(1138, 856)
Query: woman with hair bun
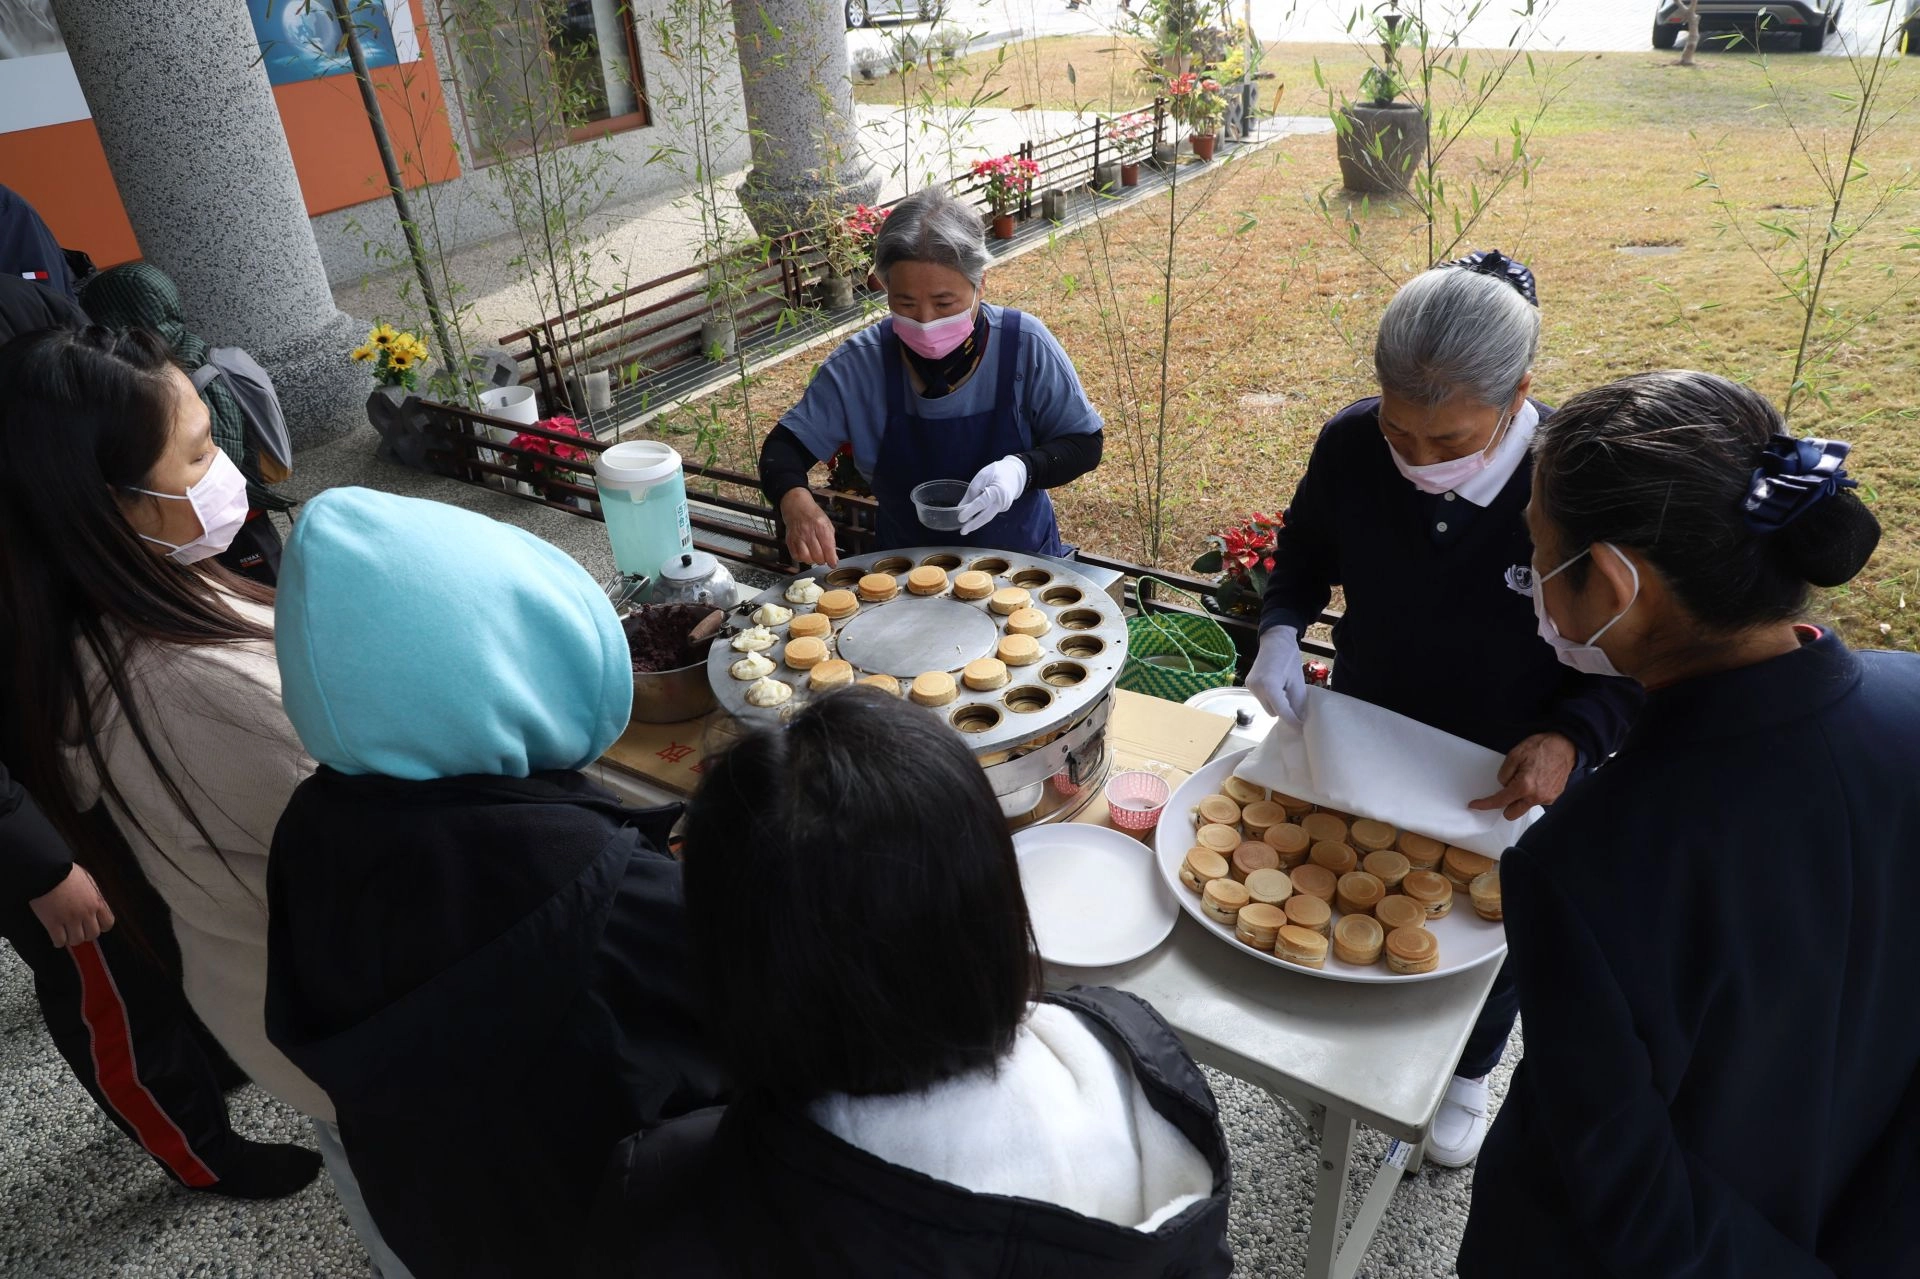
(1708, 934)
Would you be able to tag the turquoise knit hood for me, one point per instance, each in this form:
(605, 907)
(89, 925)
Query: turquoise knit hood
(417, 640)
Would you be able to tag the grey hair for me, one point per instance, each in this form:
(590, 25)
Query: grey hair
(932, 226)
(1453, 331)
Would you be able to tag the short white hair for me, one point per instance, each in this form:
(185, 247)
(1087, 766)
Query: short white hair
(932, 226)
(1451, 331)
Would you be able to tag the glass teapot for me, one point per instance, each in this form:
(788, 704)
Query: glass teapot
(695, 577)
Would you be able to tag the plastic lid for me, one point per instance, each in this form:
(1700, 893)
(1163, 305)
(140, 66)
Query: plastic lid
(637, 462)
(692, 566)
(1233, 702)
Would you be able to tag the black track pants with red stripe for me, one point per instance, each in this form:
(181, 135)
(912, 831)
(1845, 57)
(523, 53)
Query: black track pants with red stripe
(124, 1027)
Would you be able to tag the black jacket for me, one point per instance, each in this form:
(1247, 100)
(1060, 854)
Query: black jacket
(1711, 940)
(760, 1190)
(489, 977)
(1439, 625)
(26, 307)
(33, 857)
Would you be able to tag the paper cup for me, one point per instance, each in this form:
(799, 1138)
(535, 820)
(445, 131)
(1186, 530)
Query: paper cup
(1136, 800)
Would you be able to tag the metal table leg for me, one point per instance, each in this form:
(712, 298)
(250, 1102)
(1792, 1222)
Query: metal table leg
(1330, 1192)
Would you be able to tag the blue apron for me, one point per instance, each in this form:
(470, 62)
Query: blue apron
(917, 449)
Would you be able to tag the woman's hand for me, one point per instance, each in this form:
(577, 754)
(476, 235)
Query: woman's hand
(1277, 679)
(1535, 772)
(809, 532)
(74, 911)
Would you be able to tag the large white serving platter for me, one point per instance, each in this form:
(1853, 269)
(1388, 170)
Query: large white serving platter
(1466, 940)
(1093, 894)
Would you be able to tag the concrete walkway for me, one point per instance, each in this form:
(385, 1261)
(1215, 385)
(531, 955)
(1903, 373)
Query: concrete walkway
(77, 1201)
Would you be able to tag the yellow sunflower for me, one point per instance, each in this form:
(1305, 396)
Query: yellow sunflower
(400, 360)
(363, 353)
(382, 335)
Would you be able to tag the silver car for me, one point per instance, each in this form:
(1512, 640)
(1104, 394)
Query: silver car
(1811, 20)
(863, 13)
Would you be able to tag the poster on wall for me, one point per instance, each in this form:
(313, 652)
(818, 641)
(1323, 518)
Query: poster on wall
(37, 84)
(299, 40)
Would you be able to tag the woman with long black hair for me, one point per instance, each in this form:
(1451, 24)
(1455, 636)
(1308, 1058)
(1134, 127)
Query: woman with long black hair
(141, 674)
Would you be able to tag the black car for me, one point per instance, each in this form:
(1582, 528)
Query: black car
(1910, 30)
(1811, 20)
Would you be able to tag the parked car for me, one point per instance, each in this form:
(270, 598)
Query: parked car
(863, 13)
(1811, 20)
(1910, 30)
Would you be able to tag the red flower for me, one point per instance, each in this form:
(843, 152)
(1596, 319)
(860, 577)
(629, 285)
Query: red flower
(1269, 563)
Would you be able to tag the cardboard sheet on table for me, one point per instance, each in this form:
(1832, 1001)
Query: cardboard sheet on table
(1364, 759)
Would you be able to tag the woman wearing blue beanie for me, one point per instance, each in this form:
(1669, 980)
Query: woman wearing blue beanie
(480, 955)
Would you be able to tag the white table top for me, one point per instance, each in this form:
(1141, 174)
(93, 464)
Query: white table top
(1381, 1054)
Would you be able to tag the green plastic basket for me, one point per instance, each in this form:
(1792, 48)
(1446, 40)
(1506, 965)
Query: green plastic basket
(1175, 654)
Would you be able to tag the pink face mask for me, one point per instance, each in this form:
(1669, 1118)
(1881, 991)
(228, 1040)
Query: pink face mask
(936, 338)
(1444, 477)
(219, 499)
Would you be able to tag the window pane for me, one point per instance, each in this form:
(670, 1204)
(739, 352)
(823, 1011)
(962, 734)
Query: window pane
(589, 41)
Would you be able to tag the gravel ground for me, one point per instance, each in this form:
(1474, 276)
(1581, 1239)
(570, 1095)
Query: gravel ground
(77, 1201)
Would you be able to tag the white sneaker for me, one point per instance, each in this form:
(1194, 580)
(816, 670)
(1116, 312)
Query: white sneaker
(1461, 1124)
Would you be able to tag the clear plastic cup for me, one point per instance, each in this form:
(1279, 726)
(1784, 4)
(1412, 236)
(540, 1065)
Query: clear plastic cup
(937, 503)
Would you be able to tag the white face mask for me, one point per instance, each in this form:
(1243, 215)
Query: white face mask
(219, 501)
(1444, 477)
(1587, 658)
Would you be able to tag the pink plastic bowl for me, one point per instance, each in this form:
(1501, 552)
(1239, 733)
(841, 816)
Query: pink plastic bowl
(1136, 800)
(1064, 784)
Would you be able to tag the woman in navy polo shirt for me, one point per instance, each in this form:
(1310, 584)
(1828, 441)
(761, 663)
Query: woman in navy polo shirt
(945, 387)
(1413, 504)
(1712, 935)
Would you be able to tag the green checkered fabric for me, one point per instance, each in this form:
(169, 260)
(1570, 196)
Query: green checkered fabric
(1174, 655)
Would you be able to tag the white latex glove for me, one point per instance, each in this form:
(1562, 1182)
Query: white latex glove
(997, 487)
(1277, 679)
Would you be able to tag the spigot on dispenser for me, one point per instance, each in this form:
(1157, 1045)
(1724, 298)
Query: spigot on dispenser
(626, 589)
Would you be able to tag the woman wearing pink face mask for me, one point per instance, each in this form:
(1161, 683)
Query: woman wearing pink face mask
(946, 387)
(142, 673)
(1413, 504)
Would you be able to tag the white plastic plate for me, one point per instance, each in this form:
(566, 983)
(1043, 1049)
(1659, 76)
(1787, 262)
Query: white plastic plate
(1093, 894)
(1466, 940)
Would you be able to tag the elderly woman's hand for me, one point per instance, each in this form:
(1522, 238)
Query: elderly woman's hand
(1535, 772)
(996, 488)
(810, 537)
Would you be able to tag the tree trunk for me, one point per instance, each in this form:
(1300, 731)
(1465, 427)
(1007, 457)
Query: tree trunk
(1693, 33)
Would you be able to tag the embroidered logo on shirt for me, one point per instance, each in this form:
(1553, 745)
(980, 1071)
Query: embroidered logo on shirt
(1520, 579)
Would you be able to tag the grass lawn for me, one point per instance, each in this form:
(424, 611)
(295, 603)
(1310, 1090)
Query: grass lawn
(1275, 311)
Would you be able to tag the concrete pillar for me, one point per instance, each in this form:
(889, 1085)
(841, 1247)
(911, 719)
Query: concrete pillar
(191, 132)
(799, 98)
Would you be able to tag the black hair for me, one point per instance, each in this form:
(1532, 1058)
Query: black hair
(88, 412)
(1662, 463)
(855, 904)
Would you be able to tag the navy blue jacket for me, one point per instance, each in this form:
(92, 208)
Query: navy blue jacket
(1713, 938)
(1438, 625)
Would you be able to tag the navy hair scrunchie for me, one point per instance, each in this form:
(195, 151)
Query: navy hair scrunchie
(1793, 477)
(1492, 262)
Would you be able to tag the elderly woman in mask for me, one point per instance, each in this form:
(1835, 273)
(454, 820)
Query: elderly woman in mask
(1414, 504)
(945, 387)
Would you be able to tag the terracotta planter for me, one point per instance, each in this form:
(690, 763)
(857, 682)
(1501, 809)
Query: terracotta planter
(1203, 144)
(1380, 146)
(1003, 226)
(1130, 173)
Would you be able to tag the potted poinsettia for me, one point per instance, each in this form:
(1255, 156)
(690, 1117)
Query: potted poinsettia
(1008, 178)
(849, 251)
(1196, 101)
(535, 472)
(1126, 133)
(1239, 560)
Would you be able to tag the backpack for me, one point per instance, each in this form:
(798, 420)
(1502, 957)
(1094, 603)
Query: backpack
(253, 389)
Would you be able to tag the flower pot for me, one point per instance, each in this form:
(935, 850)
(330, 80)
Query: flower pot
(1233, 125)
(1166, 154)
(838, 291)
(592, 393)
(718, 338)
(1053, 206)
(1379, 146)
(1003, 226)
(400, 440)
(1106, 178)
(1130, 173)
(1203, 144)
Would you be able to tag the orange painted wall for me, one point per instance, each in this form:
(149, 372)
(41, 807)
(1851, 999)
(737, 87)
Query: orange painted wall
(63, 173)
